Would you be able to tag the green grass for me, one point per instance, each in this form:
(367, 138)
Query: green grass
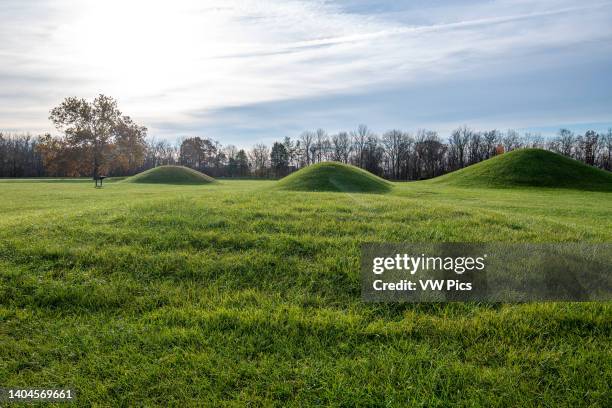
(237, 293)
(170, 175)
(334, 176)
(530, 167)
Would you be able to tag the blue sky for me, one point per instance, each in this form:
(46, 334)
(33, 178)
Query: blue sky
(253, 71)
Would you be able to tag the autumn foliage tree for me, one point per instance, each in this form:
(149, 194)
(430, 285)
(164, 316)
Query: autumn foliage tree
(60, 158)
(130, 145)
(96, 135)
(198, 153)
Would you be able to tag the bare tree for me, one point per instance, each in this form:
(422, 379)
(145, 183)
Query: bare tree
(321, 145)
(475, 148)
(588, 145)
(534, 140)
(20, 156)
(306, 139)
(292, 151)
(259, 157)
(607, 145)
(394, 143)
(430, 153)
(491, 140)
(373, 155)
(566, 142)
(341, 147)
(511, 141)
(360, 139)
(458, 145)
(230, 151)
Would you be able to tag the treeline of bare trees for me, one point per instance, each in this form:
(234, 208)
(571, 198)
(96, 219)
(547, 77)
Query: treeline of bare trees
(19, 156)
(395, 154)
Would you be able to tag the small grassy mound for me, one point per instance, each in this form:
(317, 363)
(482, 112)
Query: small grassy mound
(333, 176)
(530, 167)
(171, 175)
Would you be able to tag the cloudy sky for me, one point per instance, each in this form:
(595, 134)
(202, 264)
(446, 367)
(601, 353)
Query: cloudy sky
(253, 70)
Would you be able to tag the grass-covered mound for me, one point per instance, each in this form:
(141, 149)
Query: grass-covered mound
(171, 175)
(333, 176)
(530, 168)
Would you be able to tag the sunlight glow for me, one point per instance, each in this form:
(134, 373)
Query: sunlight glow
(178, 63)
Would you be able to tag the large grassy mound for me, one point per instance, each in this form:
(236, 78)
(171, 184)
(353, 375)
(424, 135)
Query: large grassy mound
(171, 175)
(530, 167)
(333, 176)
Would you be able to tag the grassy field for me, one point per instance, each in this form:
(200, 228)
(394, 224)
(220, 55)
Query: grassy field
(236, 293)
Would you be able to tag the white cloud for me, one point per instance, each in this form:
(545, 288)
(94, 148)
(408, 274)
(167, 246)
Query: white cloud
(165, 59)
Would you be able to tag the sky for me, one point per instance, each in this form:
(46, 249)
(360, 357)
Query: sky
(250, 71)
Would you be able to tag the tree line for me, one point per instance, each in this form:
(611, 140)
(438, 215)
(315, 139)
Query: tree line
(98, 139)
